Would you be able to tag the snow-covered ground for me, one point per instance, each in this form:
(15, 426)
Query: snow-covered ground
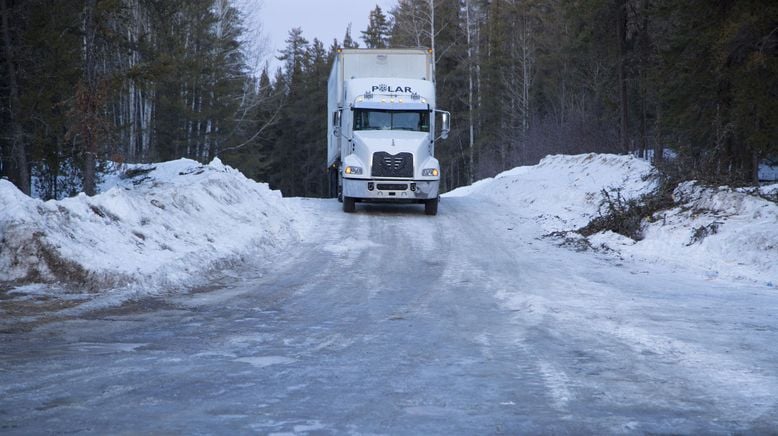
(171, 225)
(473, 321)
(563, 192)
(153, 227)
(722, 232)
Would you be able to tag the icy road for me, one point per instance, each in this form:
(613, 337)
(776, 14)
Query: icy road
(465, 323)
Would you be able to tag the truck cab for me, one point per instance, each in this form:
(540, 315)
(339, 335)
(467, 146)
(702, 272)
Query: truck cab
(382, 128)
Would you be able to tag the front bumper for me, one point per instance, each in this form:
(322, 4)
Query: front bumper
(390, 189)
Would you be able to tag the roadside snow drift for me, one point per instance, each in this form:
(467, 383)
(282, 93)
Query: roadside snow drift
(161, 225)
(731, 233)
(721, 232)
(564, 192)
(172, 224)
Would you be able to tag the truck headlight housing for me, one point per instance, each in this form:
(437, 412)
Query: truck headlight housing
(430, 172)
(353, 170)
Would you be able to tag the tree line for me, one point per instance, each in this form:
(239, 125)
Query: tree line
(691, 79)
(150, 80)
(89, 82)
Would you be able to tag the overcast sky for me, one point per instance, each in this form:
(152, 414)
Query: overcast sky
(323, 19)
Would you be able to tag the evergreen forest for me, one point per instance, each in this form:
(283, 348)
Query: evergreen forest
(85, 84)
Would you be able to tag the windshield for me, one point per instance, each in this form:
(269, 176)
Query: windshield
(373, 119)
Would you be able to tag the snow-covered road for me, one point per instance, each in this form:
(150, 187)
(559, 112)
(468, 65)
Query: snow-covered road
(466, 323)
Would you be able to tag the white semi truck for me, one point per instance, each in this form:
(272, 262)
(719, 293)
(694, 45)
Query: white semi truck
(381, 135)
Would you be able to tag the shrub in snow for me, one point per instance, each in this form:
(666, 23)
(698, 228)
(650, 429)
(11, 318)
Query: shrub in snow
(625, 216)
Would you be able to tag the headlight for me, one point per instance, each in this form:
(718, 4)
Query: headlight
(427, 172)
(353, 170)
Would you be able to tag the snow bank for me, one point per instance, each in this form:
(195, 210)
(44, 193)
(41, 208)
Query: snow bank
(722, 232)
(161, 225)
(730, 233)
(564, 192)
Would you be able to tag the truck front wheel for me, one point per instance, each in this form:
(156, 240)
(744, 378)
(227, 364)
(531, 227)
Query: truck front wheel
(349, 204)
(431, 206)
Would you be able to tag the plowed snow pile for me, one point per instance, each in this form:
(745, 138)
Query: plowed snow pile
(721, 232)
(161, 225)
(564, 192)
(724, 232)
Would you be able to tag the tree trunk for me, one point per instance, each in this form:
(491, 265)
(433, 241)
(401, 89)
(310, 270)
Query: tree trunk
(90, 127)
(659, 148)
(471, 145)
(755, 168)
(18, 147)
(621, 31)
(432, 35)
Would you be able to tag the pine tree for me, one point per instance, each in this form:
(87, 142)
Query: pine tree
(749, 47)
(293, 117)
(717, 85)
(491, 111)
(411, 24)
(18, 146)
(378, 30)
(348, 41)
(293, 56)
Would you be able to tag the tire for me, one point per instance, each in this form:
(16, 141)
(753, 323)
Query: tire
(349, 204)
(431, 206)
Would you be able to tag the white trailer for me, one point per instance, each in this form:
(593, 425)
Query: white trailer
(381, 135)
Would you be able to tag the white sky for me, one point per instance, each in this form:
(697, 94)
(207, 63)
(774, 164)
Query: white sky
(323, 19)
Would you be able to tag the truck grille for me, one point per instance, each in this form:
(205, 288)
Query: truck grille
(392, 186)
(388, 165)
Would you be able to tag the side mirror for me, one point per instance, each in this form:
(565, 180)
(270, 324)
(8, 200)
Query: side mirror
(445, 124)
(336, 123)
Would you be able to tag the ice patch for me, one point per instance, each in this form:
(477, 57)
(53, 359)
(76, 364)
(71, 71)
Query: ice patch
(312, 426)
(557, 383)
(97, 348)
(429, 411)
(350, 245)
(263, 361)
